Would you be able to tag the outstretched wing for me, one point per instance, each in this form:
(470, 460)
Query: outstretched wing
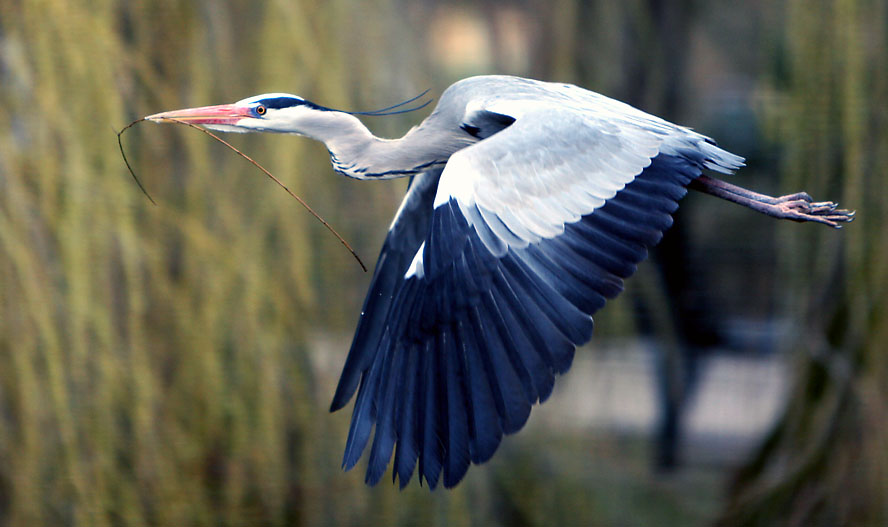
(406, 233)
(532, 229)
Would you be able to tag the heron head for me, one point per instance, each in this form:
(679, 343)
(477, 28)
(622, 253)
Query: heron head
(269, 112)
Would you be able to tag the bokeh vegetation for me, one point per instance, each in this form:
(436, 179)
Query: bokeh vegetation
(172, 364)
(826, 462)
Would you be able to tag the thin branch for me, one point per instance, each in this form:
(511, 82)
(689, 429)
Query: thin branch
(126, 161)
(257, 165)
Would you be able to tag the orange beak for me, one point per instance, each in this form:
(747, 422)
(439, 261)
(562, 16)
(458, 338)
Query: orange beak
(221, 114)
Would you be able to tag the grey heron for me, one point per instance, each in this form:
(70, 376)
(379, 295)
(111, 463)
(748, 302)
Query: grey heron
(530, 203)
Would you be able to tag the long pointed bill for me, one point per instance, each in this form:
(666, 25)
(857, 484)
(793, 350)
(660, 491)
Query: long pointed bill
(228, 114)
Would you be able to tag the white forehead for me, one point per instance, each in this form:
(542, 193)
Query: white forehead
(257, 98)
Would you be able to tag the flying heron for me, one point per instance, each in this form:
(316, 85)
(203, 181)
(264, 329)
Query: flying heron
(530, 203)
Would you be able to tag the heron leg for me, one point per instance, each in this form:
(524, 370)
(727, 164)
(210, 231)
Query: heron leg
(798, 207)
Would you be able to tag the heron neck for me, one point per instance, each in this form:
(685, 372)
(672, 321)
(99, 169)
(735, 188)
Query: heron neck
(357, 153)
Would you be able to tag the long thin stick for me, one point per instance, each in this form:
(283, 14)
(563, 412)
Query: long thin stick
(257, 165)
(125, 160)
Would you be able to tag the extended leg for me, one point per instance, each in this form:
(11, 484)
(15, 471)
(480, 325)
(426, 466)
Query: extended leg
(796, 207)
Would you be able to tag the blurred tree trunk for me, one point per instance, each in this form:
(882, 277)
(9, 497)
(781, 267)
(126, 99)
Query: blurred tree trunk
(826, 462)
(654, 44)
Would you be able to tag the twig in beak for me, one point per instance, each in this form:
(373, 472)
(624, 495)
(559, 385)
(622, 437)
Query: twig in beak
(257, 165)
(125, 160)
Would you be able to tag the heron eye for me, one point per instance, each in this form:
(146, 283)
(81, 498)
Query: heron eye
(260, 110)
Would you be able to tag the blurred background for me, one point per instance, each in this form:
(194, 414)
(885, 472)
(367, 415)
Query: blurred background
(173, 364)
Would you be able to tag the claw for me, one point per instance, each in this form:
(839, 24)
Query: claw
(825, 212)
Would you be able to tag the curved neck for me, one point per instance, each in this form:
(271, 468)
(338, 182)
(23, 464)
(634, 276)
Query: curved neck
(357, 153)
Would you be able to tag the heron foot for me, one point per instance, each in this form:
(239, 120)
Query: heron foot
(801, 207)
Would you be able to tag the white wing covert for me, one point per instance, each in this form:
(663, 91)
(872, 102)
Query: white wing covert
(551, 167)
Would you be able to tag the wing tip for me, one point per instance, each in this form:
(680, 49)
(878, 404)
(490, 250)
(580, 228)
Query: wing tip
(342, 396)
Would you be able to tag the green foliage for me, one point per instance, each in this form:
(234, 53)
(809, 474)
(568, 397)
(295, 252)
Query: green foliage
(826, 462)
(153, 360)
(172, 365)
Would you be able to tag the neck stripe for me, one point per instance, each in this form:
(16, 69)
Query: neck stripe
(359, 172)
